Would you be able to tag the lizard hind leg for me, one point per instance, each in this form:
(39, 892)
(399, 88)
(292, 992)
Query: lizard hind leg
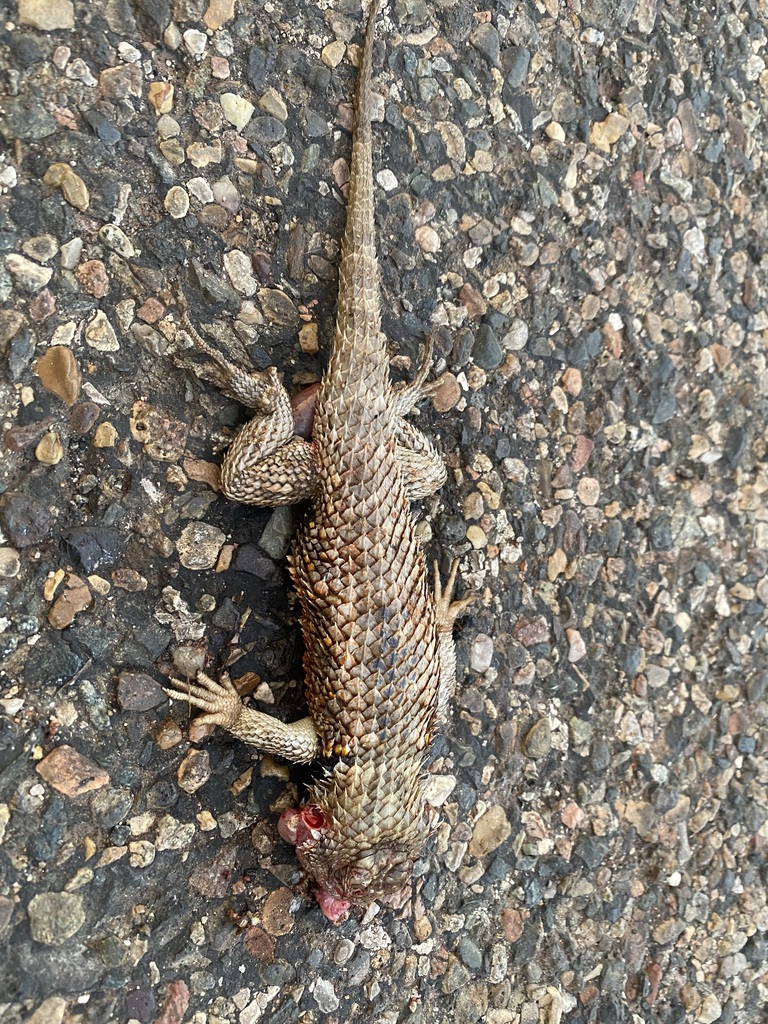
(267, 464)
(446, 612)
(405, 398)
(255, 389)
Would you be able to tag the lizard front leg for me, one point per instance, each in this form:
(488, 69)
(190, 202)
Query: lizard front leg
(222, 705)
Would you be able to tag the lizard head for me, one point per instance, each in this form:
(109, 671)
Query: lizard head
(356, 855)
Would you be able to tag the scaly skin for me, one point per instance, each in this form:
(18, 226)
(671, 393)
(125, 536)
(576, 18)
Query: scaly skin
(379, 658)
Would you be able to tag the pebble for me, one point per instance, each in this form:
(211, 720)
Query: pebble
(58, 370)
(218, 13)
(50, 1011)
(47, 15)
(603, 134)
(55, 917)
(201, 154)
(137, 691)
(105, 435)
(194, 770)
(531, 630)
(332, 54)
(427, 238)
(195, 41)
(49, 450)
(276, 915)
(343, 951)
(516, 337)
(240, 272)
(73, 188)
(490, 830)
(325, 996)
(160, 97)
(387, 180)
(308, 339)
(556, 564)
(116, 239)
(70, 772)
(28, 275)
(10, 562)
(576, 647)
(538, 739)
(481, 653)
(237, 110)
(176, 202)
(278, 307)
(476, 537)
(70, 253)
(588, 490)
(438, 788)
(485, 39)
(41, 248)
(272, 103)
(199, 545)
(92, 275)
(100, 334)
(447, 394)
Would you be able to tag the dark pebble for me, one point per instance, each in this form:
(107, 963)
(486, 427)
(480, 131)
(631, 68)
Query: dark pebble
(248, 558)
(665, 408)
(485, 40)
(469, 953)
(163, 794)
(757, 686)
(701, 572)
(140, 1005)
(256, 72)
(67, 969)
(661, 533)
(592, 850)
(20, 353)
(279, 973)
(517, 60)
(92, 547)
(25, 520)
(11, 742)
(104, 128)
(83, 417)
(110, 806)
(24, 117)
(139, 692)
(486, 350)
(746, 744)
(266, 130)
(26, 48)
(315, 126)
(51, 662)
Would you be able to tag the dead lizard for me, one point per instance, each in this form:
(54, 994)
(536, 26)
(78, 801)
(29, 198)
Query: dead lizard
(379, 661)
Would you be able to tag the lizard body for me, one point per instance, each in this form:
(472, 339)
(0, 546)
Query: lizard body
(379, 661)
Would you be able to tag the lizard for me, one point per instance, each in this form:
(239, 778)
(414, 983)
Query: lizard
(379, 659)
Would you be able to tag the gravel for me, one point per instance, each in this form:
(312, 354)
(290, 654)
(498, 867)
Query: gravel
(571, 197)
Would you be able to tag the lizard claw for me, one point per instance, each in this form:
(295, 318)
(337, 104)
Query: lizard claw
(217, 698)
(448, 610)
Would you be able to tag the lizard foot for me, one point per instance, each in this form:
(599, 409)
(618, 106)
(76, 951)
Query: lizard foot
(406, 396)
(218, 699)
(447, 609)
